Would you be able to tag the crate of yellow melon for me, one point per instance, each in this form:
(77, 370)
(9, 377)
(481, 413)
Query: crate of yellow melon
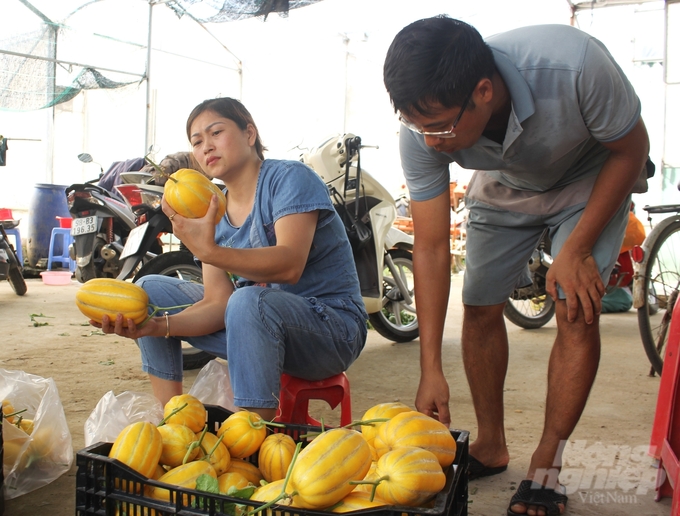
(188, 192)
(323, 477)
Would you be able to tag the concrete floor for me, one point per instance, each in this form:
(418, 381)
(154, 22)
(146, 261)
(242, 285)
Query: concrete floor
(607, 469)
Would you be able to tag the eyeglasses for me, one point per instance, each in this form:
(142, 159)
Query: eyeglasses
(438, 134)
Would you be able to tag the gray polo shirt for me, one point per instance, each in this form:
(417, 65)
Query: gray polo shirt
(568, 94)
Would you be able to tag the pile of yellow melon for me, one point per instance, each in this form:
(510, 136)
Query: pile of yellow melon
(398, 457)
(41, 445)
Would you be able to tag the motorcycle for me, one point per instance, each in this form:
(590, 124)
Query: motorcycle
(101, 224)
(382, 253)
(531, 307)
(10, 266)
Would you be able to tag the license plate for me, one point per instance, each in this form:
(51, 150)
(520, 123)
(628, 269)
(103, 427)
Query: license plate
(134, 240)
(84, 226)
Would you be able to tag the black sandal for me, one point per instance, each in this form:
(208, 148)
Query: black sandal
(478, 470)
(532, 493)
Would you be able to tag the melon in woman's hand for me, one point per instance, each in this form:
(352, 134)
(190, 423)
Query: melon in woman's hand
(106, 296)
(188, 192)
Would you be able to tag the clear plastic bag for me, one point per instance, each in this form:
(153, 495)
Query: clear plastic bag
(113, 413)
(33, 460)
(212, 386)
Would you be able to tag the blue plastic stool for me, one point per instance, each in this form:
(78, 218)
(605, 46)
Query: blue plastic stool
(63, 258)
(17, 244)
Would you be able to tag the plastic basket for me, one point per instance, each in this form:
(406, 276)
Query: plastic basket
(99, 489)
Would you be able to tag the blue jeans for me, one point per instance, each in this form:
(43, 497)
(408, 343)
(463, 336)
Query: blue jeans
(267, 332)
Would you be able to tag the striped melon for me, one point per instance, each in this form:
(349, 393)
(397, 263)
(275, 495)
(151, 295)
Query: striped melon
(409, 476)
(184, 476)
(139, 446)
(106, 296)
(275, 455)
(188, 192)
(416, 429)
(323, 470)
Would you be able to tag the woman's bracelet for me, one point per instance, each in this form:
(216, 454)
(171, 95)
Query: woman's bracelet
(167, 325)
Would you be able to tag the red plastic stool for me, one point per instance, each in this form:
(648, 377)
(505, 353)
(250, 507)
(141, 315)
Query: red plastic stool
(296, 393)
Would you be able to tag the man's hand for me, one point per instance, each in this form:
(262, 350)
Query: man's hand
(578, 276)
(432, 398)
(574, 268)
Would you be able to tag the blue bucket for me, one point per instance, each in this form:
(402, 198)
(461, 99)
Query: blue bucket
(47, 203)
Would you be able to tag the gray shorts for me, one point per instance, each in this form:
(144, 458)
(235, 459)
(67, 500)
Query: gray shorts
(500, 242)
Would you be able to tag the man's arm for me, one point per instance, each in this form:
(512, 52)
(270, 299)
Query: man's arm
(432, 277)
(574, 268)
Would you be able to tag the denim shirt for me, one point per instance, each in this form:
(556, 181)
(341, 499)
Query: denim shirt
(288, 187)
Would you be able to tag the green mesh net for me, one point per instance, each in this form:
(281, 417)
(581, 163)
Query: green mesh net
(41, 55)
(218, 11)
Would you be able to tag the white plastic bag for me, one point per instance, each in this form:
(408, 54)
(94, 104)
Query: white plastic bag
(113, 413)
(33, 460)
(213, 386)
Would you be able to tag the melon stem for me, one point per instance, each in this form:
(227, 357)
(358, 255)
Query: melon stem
(157, 309)
(159, 169)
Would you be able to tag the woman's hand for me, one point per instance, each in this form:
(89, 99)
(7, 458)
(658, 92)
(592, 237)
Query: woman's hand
(197, 234)
(153, 327)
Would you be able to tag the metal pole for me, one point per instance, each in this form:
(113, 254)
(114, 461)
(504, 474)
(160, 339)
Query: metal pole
(72, 63)
(147, 136)
(345, 40)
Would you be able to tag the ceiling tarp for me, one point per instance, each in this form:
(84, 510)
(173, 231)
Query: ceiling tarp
(578, 5)
(44, 60)
(217, 11)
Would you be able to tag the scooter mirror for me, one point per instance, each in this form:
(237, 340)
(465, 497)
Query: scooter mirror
(85, 157)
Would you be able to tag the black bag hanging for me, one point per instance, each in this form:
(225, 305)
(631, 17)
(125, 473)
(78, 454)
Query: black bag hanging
(358, 232)
(3, 151)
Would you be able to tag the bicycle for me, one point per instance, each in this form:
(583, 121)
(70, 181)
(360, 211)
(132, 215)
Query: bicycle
(459, 235)
(656, 283)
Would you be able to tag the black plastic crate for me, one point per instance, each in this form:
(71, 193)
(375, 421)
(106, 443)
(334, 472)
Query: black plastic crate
(100, 490)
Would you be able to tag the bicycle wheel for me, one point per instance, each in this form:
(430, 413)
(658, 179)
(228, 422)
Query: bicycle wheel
(530, 313)
(458, 251)
(661, 282)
